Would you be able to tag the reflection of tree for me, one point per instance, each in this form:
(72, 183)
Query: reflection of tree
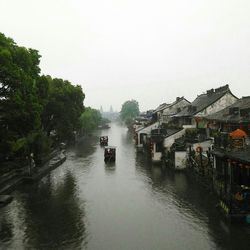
(54, 218)
(86, 146)
(6, 228)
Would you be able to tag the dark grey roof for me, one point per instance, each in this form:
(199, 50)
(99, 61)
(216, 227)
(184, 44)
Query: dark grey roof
(178, 99)
(227, 114)
(165, 105)
(172, 110)
(203, 101)
(240, 155)
(161, 107)
(172, 131)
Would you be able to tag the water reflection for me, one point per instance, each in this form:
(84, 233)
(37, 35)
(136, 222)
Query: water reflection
(6, 228)
(110, 168)
(127, 138)
(52, 217)
(86, 146)
(196, 205)
(129, 204)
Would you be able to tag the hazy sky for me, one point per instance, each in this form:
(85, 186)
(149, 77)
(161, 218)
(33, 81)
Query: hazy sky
(148, 50)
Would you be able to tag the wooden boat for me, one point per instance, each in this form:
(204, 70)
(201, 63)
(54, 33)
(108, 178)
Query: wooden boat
(109, 154)
(104, 140)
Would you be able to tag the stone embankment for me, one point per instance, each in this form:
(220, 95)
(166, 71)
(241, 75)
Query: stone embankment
(10, 180)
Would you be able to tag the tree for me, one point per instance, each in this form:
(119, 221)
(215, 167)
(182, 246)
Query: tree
(89, 120)
(63, 108)
(31, 106)
(19, 105)
(130, 109)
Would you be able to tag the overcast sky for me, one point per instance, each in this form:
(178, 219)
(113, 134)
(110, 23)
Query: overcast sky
(148, 50)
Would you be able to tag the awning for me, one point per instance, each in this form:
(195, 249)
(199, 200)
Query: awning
(238, 134)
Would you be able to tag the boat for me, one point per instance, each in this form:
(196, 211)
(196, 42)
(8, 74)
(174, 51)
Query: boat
(104, 126)
(104, 141)
(109, 154)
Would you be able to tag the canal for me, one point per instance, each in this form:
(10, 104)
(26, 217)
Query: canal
(86, 204)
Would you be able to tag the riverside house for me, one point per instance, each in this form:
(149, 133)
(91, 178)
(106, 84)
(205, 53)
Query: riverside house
(205, 104)
(192, 120)
(158, 136)
(174, 108)
(231, 181)
(232, 117)
(158, 112)
(142, 134)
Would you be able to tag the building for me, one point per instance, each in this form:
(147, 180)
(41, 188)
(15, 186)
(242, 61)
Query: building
(205, 104)
(172, 109)
(142, 134)
(231, 178)
(232, 117)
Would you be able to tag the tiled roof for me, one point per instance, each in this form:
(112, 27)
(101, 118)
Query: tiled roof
(161, 107)
(165, 105)
(178, 99)
(172, 108)
(240, 155)
(172, 131)
(203, 101)
(226, 116)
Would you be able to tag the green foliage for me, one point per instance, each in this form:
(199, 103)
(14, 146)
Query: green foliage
(31, 106)
(130, 109)
(63, 108)
(36, 142)
(89, 120)
(104, 121)
(192, 131)
(19, 105)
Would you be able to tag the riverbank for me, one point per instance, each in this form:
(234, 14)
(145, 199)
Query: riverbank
(10, 181)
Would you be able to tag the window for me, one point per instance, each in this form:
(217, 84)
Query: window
(158, 147)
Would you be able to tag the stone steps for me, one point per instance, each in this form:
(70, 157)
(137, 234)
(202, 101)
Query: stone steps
(11, 185)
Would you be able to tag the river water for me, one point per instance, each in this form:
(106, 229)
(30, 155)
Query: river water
(132, 204)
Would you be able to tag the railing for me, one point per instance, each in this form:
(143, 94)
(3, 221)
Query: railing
(222, 141)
